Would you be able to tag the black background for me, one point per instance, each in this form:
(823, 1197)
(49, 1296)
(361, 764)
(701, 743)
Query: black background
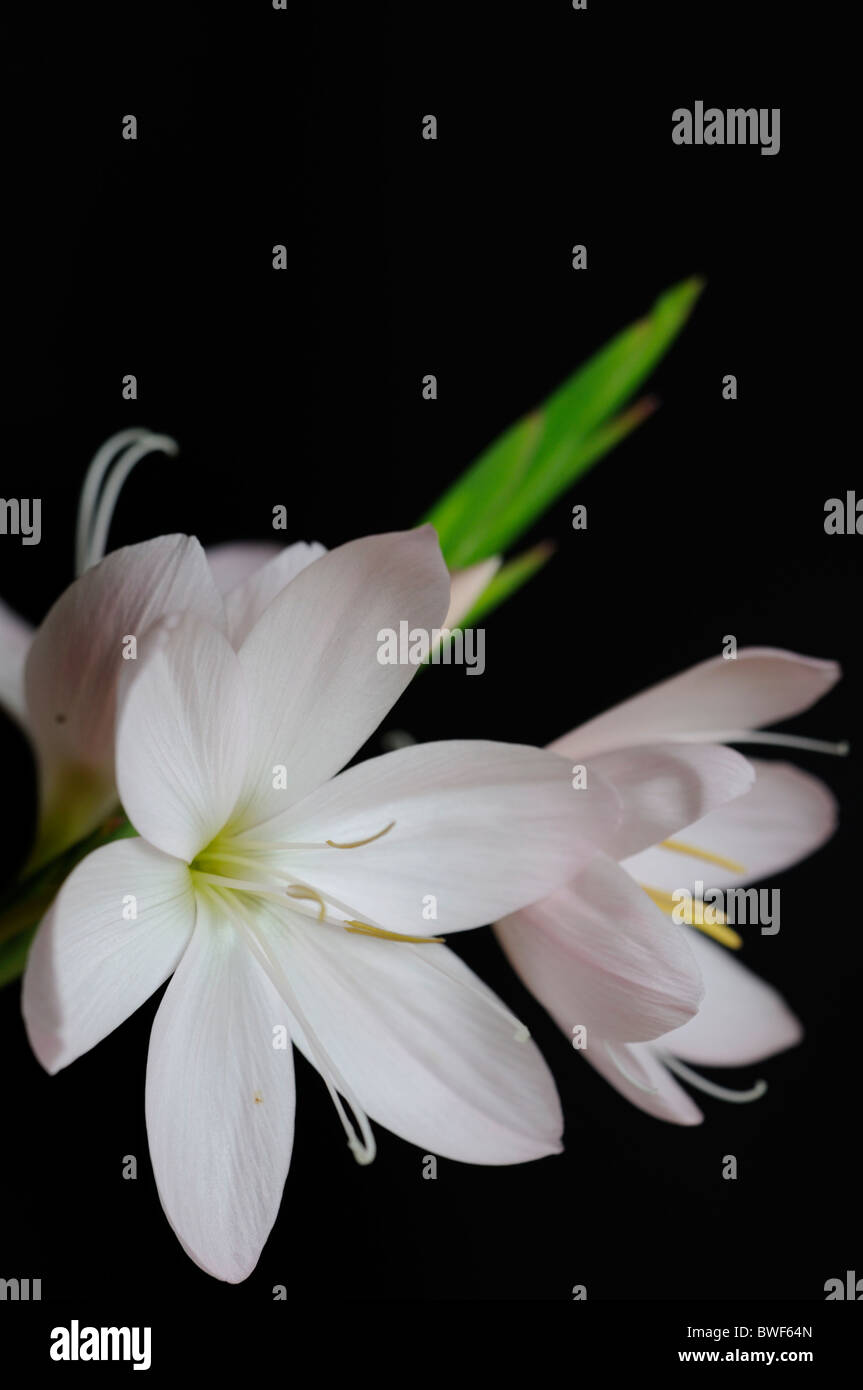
(302, 388)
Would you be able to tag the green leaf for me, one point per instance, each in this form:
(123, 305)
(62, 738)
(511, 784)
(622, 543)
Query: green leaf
(571, 459)
(509, 577)
(531, 463)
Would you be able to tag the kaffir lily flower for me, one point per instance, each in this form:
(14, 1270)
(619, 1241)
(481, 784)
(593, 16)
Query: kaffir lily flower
(602, 952)
(283, 897)
(59, 683)
(65, 692)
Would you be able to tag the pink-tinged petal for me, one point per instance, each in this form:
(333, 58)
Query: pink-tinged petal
(317, 690)
(785, 817)
(182, 736)
(15, 638)
(245, 603)
(477, 828)
(762, 686)
(636, 1072)
(599, 954)
(466, 586)
(429, 1052)
(663, 787)
(116, 931)
(220, 1101)
(741, 1020)
(235, 561)
(75, 662)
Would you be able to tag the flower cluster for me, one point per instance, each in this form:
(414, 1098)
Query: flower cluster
(283, 888)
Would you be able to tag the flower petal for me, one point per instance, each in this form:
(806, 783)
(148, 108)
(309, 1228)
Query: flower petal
(15, 638)
(220, 1101)
(786, 816)
(428, 1050)
(762, 686)
(741, 1020)
(182, 738)
(598, 953)
(245, 603)
(92, 963)
(481, 828)
(235, 561)
(637, 1073)
(76, 659)
(665, 786)
(316, 687)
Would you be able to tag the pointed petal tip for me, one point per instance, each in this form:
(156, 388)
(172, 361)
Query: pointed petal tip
(227, 1268)
(686, 1122)
(827, 666)
(794, 1033)
(744, 1020)
(47, 1057)
(46, 1045)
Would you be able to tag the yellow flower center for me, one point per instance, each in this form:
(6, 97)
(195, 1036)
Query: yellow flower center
(255, 868)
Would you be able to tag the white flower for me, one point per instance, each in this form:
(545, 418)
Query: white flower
(281, 896)
(602, 952)
(59, 683)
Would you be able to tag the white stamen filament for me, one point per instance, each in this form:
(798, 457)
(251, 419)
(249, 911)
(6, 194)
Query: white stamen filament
(149, 444)
(277, 846)
(255, 864)
(811, 745)
(298, 891)
(361, 1145)
(266, 889)
(90, 542)
(92, 484)
(710, 1088)
(280, 846)
(244, 885)
(358, 844)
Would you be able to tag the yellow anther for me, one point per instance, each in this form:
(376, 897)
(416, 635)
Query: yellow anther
(355, 844)
(690, 910)
(296, 890)
(707, 855)
(365, 929)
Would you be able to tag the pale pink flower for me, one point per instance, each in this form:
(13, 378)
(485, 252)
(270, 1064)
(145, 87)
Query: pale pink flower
(281, 895)
(601, 952)
(58, 682)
